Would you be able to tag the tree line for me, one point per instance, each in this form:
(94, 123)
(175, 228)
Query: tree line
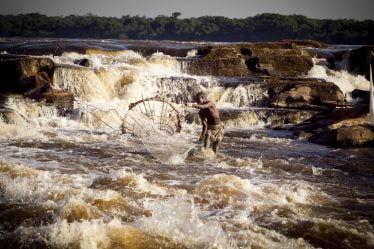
(263, 27)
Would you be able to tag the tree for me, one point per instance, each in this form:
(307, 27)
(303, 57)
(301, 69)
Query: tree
(264, 27)
(175, 15)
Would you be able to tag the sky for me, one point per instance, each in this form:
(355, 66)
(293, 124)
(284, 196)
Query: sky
(320, 9)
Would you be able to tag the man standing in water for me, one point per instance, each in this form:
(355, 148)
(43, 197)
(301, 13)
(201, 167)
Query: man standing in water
(212, 130)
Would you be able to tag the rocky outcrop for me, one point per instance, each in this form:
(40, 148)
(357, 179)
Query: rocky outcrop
(347, 126)
(32, 77)
(346, 136)
(362, 96)
(218, 61)
(62, 100)
(83, 62)
(26, 75)
(272, 59)
(359, 60)
(281, 62)
(307, 43)
(303, 93)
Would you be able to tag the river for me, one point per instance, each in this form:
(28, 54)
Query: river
(76, 181)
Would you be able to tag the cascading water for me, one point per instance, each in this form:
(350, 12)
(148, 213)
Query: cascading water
(344, 80)
(73, 182)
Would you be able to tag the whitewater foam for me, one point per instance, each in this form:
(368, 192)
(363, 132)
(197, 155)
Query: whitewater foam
(346, 81)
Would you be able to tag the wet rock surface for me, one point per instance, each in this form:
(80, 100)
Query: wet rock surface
(307, 43)
(359, 60)
(346, 126)
(362, 96)
(358, 135)
(62, 100)
(303, 93)
(272, 59)
(25, 74)
(32, 77)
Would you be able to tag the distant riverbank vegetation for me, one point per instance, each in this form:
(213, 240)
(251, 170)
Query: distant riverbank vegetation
(263, 27)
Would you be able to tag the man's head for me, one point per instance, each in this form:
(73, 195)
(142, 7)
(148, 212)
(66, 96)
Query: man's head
(200, 98)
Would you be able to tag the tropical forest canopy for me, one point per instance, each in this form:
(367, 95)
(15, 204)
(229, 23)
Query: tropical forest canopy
(264, 27)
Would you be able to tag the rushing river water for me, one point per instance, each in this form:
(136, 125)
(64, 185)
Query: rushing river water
(77, 182)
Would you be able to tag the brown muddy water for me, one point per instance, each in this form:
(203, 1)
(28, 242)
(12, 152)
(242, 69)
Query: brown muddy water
(74, 182)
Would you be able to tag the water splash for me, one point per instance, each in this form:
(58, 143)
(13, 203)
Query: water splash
(343, 79)
(169, 149)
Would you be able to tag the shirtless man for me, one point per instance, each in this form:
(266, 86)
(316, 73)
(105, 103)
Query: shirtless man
(212, 131)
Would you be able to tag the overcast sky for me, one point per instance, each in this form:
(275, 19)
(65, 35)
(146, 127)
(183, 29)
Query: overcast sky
(321, 9)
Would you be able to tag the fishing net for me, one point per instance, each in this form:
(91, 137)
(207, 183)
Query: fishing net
(152, 116)
(157, 122)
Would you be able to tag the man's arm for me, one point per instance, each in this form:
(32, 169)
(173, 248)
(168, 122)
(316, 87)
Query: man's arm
(203, 106)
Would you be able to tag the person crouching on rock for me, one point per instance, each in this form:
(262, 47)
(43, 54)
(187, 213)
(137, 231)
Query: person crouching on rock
(212, 128)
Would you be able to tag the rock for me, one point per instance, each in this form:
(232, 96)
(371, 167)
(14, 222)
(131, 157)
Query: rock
(307, 43)
(218, 61)
(272, 59)
(83, 62)
(345, 126)
(281, 62)
(346, 136)
(332, 119)
(361, 95)
(359, 60)
(62, 100)
(348, 115)
(303, 93)
(26, 75)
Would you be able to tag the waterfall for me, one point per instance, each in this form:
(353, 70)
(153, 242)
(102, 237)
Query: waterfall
(346, 81)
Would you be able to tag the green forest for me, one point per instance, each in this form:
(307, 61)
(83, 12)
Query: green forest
(263, 27)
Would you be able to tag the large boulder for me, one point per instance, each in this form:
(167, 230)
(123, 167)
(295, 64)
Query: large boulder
(346, 136)
(218, 61)
(26, 75)
(333, 119)
(303, 93)
(345, 126)
(271, 59)
(279, 61)
(359, 60)
(361, 96)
